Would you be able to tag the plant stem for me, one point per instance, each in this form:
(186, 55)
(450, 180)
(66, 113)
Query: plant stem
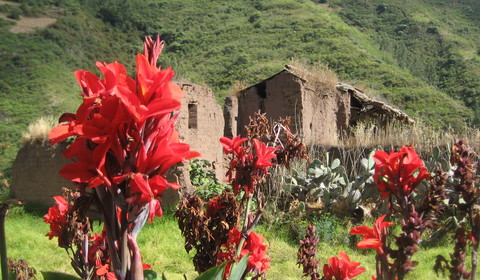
(3, 242)
(245, 225)
(474, 259)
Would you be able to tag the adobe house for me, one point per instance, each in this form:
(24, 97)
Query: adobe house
(319, 111)
(35, 175)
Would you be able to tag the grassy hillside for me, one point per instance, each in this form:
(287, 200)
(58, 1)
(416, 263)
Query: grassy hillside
(437, 42)
(421, 57)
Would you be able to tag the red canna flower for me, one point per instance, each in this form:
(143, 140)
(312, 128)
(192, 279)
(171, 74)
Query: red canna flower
(213, 206)
(248, 164)
(125, 130)
(56, 218)
(341, 269)
(264, 154)
(258, 263)
(373, 237)
(233, 145)
(124, 143)
(398, 172)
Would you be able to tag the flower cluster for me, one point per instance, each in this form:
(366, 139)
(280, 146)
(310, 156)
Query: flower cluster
(398, 173)
(56, 217)
(254, 245)
(248, 164)
(99, 257)
(125, 130)
(465, 199)
(124, 143)
(375, 237)
(341, 269)
(205, 230)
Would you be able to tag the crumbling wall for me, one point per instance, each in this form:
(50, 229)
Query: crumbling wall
(284, 99)
(318, 113)
(230, 112)
(318, 117)
(35, 175)
(278, 97)
(325, 114)
(249, 101)
(201, 124)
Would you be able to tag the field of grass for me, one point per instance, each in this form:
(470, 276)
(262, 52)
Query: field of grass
(161, 245)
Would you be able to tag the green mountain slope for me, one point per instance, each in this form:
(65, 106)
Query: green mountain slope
(437, 42)
(422, 57)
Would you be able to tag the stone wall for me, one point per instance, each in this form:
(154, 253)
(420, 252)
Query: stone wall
(201, 124)
(325, 114)
(35, 175)
(277, 96)
(230, 115)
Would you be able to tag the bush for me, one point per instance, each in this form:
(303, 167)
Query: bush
(203, 178)
(15, 13)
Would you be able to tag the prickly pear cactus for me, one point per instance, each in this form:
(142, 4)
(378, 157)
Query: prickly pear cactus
(327, 182)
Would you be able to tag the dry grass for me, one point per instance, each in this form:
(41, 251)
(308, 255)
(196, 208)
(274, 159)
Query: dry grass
(317, 74)
(237, 87)
(367, 137)
(38, 130)
(420, 135)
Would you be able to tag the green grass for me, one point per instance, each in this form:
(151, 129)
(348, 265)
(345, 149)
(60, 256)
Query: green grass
(161, 245)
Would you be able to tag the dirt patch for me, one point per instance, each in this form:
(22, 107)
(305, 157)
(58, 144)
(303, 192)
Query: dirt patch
(28, 24)
(25, 24)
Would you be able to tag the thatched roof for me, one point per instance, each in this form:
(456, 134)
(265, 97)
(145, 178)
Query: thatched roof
(369, 107)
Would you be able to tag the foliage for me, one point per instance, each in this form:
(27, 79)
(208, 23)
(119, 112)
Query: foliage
(329, 228)
(203, 178)
(205, 230)
(422, 41)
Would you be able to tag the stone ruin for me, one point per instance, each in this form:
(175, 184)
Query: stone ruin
(201, 124)
(319, 113)
(35, 176)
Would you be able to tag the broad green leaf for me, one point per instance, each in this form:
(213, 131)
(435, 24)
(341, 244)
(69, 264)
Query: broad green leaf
(436, 152)
(151, 275)
(214, 273)
(371, 162)
(335, 163)
(364, 162)
(317, 172)
(315, 163)
(355, 196)
(239, 268)
(50, 275)
(301, 206)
